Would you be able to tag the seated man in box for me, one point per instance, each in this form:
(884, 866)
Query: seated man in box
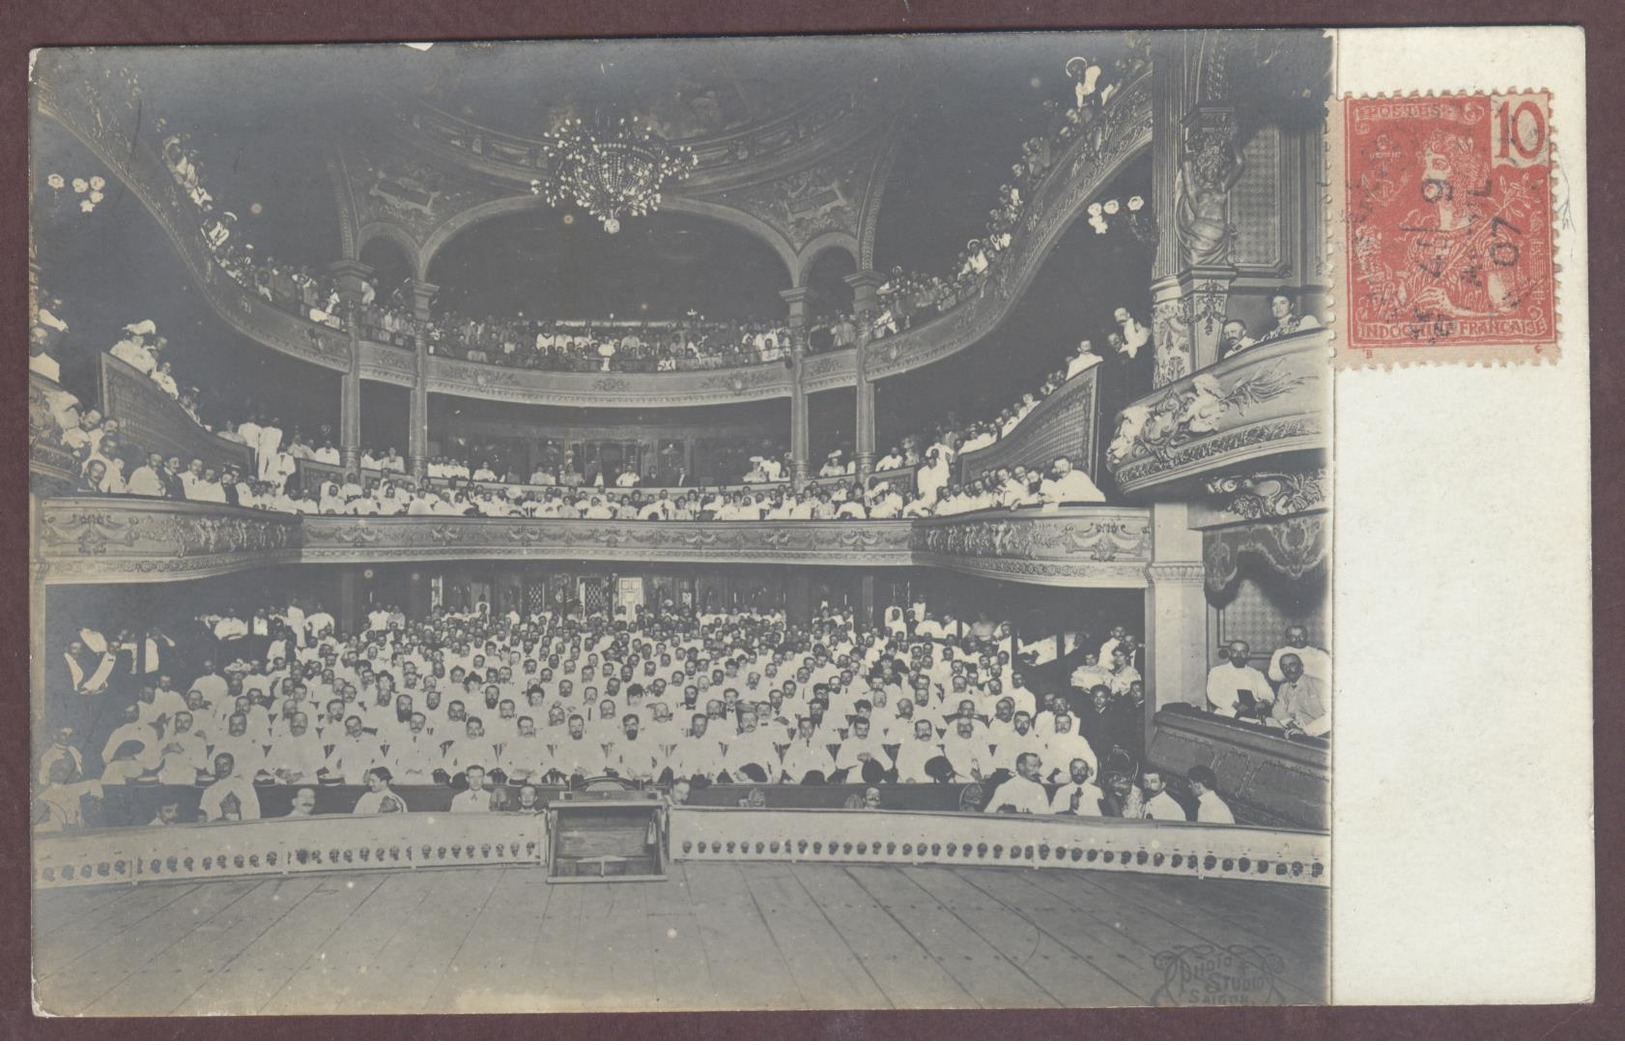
(231, 797)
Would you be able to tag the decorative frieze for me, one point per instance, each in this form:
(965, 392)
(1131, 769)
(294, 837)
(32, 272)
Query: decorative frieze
(114, 539)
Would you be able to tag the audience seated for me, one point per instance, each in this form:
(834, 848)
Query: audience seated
(468, 698)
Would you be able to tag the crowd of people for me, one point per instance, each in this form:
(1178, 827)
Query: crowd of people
(694, 342)
(909, 297)
(107, 466)
(472, 699)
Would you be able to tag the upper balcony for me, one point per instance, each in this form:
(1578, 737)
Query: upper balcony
(1081, 167)
(1270, 404)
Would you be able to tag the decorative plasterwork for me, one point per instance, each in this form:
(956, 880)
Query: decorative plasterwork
(1079, 547)
(684, 388)
(52, 467)
(98, 539)
(392, 188)
(1263, 495)
(825, 197)
(113, 539)
(340, 539)
(1268, 400)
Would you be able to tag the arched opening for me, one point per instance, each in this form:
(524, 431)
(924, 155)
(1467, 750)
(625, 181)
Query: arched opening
(391, 264)
(825, 277)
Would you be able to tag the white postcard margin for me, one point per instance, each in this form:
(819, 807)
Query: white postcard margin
(1462, 789)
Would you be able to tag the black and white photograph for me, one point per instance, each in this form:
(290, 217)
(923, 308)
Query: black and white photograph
(755, 523)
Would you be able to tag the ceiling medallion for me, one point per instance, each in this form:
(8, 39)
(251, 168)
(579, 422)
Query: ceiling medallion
(612, 170)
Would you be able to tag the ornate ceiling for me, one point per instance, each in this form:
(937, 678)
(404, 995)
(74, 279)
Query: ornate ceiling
(790, 149)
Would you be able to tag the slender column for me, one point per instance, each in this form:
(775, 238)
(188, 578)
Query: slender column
(417, 437)
(349, 598)
(1175, 613)
(866, 600)
(864, 303)
(351, 275)
(796, 298)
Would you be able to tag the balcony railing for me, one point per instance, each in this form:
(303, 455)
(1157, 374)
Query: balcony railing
(426, 841)
(1271, 400)
(1088, 162)
(85, 539)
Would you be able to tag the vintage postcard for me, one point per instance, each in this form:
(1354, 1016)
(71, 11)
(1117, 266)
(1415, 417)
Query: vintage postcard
(853, 522)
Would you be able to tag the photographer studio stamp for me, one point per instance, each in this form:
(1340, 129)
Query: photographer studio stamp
(1447, 238)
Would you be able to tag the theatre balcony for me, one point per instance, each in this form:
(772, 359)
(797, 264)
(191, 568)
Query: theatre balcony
(491, 182)
(1267, 408)
(98, 540)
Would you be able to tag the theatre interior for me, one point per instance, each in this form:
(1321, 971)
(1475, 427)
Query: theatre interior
(822, 523)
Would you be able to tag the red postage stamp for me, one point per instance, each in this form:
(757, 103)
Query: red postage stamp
(1448, 238)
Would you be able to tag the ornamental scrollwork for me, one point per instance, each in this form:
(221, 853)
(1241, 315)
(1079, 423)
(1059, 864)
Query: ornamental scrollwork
(109, 539)
(1271, 494)
(1267, 394)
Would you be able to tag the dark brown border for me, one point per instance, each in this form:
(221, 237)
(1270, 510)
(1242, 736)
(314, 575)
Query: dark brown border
(30, 23)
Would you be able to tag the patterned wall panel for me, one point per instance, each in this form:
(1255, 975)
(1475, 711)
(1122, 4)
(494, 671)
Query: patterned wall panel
(154, 422)
(1257, 203)
(114, 539)
(1064, 422)
(1070, 547)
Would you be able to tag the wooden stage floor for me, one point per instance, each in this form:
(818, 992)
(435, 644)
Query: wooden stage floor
(714, 936)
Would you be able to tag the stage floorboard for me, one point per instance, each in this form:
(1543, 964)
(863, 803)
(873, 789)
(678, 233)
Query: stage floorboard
(714, 935)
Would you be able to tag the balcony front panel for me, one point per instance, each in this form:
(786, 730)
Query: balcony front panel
(99, 540)
(1085, 547)
(84, 539)
(1270, 401)
(611, 388)
(431, 538)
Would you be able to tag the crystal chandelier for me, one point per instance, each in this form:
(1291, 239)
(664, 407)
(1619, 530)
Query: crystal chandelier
(618, 170)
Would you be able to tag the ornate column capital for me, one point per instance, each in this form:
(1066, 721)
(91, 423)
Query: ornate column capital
(796, 299)
(864, 284)
(423, 292)
(350, 276)
(1176, 574)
